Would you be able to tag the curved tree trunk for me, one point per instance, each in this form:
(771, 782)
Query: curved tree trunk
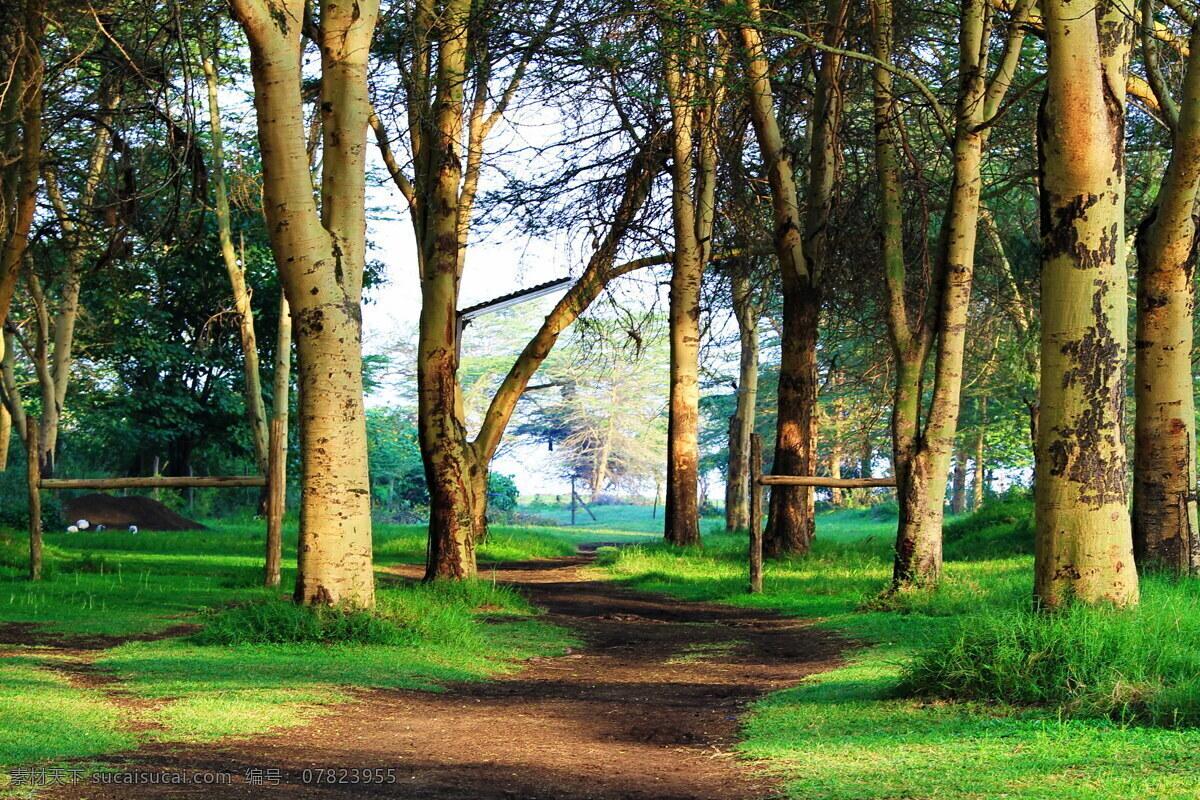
(923, 448)
(1165, 533)
(256, 411)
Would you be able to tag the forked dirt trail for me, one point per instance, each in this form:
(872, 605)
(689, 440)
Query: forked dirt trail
(647, 709)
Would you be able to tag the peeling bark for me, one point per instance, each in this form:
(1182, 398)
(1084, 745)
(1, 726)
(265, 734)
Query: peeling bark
(1084, 546)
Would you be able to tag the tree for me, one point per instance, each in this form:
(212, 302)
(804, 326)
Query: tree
(22, 29)
(693, 75)
(802, 261)
(923, 440)
(319, 249)
(1164, 473)
(1084, 546)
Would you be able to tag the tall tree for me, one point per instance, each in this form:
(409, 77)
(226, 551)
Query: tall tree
(1165, 525)
(22, 29)
(319, 248)
(802, 261)
(1084, 544)
(923, 440)
(693, 74)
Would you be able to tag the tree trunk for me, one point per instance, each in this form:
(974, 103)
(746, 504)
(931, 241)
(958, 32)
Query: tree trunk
(682, 513)
(256, 412)
(836, 415)
(979, 483)
(735, 479)
(5, 436)
(1165, 533)
(958, 490)
(320, 255)
(791, 521)
(737, 497)
(21, 120)
(924, 449)
(1084, 544)
(695, 101)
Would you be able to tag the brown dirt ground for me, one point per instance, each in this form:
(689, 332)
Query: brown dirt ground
(648, 710)
(117, 512)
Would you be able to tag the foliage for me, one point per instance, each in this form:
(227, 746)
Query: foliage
(1001, 527)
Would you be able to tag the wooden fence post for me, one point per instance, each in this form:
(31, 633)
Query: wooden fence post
(34, 476)
(276, 497)
(756, 511)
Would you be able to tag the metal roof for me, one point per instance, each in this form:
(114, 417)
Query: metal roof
(512, 299)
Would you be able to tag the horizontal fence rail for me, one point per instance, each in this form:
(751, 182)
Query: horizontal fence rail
(216, 481)
(833, 483)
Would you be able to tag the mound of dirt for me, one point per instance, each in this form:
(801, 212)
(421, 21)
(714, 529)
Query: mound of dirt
(121, 512)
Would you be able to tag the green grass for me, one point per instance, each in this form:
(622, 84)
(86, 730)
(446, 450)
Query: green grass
(615, 521)
(850, 734)
(43, 716)
(267, 664)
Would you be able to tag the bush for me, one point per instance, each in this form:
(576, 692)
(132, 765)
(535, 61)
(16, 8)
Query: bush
(1002, 527)
(1140, 664)
(447, 612)
(501, 497)
(281, 622)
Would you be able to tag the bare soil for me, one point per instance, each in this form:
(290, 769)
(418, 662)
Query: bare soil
(648, 709)
(116, 512)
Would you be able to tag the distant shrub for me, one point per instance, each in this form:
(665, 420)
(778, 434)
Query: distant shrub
(1001, 527)
(1140, 664)
(539, 520)
(884, 511)
(502, 497)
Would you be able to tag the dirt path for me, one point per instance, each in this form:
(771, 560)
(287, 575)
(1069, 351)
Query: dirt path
(648, 709)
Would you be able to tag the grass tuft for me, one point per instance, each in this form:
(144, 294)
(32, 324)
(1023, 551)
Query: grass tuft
(283, 622)
(1132, 665)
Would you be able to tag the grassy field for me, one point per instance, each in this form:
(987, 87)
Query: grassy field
(114, 584)
(849, 735)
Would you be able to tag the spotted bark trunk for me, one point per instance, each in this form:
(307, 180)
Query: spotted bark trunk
(1084, 543)
(923, 441)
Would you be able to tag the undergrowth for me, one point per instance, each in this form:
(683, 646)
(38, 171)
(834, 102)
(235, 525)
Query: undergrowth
(403, 616)
(1133, 665)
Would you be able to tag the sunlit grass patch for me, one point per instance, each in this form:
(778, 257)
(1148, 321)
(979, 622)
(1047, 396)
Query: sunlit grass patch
(850, 734)
(43, 715)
